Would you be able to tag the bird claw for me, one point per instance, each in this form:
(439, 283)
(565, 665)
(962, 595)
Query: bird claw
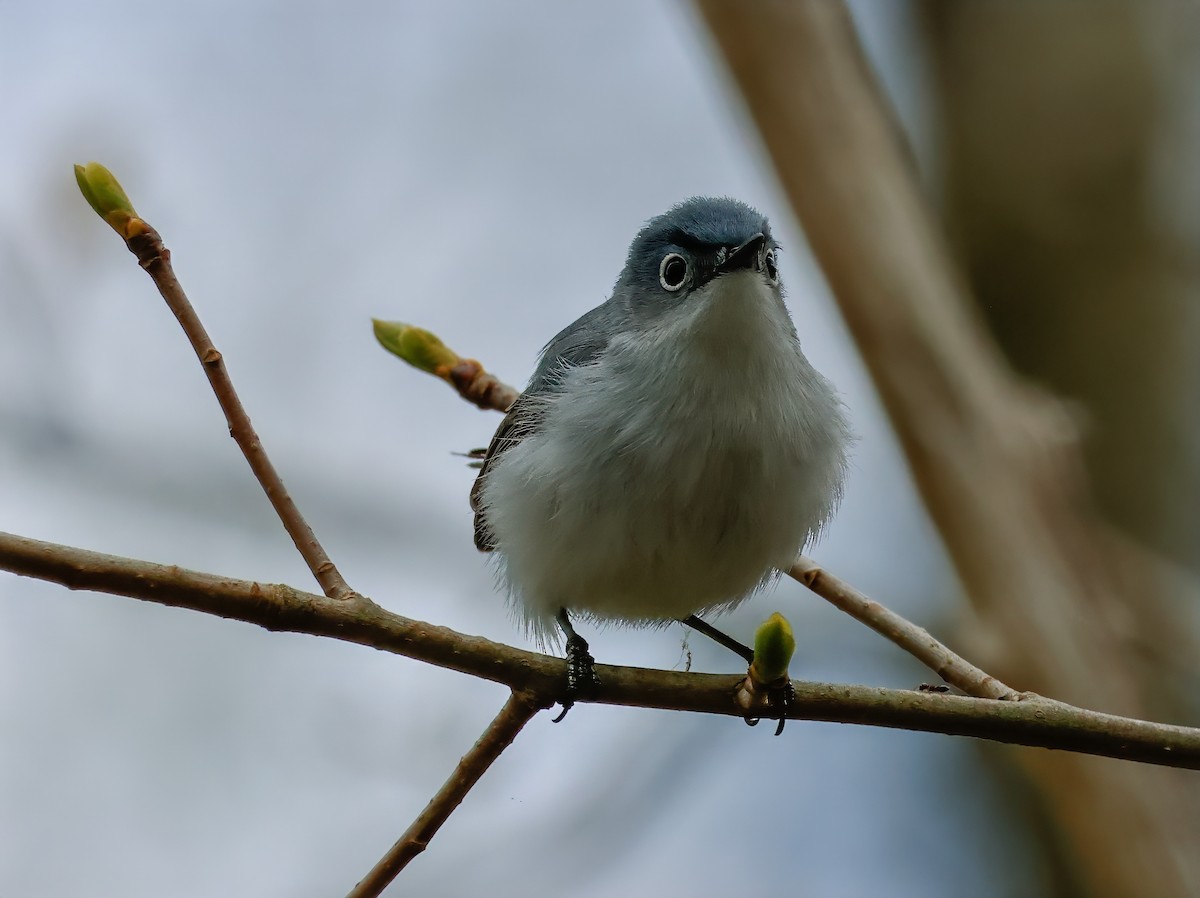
(581, 673)
(780, 697)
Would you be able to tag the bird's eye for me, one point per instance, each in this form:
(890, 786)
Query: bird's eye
(673, 271)
(771, 266)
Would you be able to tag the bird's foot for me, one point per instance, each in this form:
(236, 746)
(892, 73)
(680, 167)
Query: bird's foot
(779, 699)
(581, 673)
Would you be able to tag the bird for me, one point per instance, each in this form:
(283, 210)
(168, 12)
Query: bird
(674, 448)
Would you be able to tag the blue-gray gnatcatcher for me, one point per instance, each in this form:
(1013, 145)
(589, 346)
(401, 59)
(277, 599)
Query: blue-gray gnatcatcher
(674, 448)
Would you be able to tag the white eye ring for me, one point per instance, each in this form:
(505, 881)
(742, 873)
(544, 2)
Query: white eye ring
(771, 266)
(673, 272)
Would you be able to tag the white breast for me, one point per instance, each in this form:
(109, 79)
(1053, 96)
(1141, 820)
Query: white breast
(676, 473)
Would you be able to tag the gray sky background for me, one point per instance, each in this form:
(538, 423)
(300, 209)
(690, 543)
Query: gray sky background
(478, 169)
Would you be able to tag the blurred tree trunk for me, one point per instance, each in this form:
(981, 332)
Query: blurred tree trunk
(1055, 150)
(1054, 123)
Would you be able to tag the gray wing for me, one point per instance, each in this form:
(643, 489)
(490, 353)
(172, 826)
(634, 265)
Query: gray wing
(577, 344)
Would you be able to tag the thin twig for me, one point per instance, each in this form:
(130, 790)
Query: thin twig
(147, 245)
(1032, 721)
(480, 387)
(499, 735)
(953, 668)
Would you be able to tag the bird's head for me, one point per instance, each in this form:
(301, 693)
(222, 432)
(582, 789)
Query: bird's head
(691, 252)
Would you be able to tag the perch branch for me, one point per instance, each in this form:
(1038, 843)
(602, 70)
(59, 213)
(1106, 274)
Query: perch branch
(1034, 721)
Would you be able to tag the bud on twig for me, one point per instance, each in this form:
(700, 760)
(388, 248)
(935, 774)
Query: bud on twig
(767, 689)
(774, 645)
(106, 196)
(425, 351)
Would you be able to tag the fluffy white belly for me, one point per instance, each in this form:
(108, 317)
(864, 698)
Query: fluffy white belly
(647, 498)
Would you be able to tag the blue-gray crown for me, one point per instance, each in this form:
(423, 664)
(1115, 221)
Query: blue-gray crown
(701, 223)
(705, 230)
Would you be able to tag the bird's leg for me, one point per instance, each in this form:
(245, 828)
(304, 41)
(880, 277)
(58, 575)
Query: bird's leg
(581, 666)
(744, 652)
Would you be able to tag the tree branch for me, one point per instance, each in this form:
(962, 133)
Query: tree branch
(951, 667)
(1034, 721)
(106, 197)
(145, 243)
(517, 711)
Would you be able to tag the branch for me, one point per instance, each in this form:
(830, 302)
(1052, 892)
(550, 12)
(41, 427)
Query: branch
(108, 199)
(105, 195)
(517, 711)
(1033, 721)
(156, 259)
(951, 667)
